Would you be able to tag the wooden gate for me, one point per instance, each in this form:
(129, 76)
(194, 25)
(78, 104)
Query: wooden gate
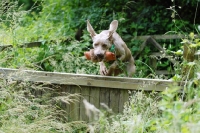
(96, 89)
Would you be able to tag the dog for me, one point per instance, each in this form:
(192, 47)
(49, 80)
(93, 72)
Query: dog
(103, 41)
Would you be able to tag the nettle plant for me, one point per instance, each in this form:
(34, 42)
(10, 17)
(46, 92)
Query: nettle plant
(180, 106)
(179, 111)
(189, 55)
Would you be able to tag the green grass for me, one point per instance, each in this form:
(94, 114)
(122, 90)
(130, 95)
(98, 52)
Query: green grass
(173, 110)
(23, 112)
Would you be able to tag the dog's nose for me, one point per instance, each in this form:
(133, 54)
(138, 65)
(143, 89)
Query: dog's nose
(100, 56)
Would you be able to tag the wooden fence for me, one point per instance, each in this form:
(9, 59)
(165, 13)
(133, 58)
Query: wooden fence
(96, 89)
(153, 40)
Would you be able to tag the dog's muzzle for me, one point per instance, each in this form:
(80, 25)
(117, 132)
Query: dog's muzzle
(100, 57)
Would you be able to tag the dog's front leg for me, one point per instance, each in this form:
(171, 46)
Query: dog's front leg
(103, 69)
(114, 68)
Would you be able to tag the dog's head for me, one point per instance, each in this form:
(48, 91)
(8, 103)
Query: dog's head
(102, 41)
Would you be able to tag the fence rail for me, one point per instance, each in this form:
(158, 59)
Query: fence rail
(96, 89)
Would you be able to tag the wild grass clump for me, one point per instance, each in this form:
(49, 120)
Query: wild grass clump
(174, 110)
(140, 110)
(22, 111)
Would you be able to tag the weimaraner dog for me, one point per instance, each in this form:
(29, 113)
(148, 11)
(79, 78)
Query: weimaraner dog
(103, 41)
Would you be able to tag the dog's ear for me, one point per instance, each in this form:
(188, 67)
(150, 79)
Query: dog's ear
(90, 29)
(113, 27)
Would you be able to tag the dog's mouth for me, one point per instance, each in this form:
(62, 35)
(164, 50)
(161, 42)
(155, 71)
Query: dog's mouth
(99, 57)
(96, 57)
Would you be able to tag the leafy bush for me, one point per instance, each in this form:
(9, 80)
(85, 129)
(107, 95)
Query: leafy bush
(57, 23)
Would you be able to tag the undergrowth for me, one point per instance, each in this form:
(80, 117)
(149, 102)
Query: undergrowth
(174, 110)
(56, 24)
(21, 111)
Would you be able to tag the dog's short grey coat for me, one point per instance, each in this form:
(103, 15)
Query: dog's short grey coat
(103, 41)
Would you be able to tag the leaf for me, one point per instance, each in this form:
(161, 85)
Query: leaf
(184, 129)
(193, 45)
(179, 52)
(191, 64)
(185, 41)
(191, 35)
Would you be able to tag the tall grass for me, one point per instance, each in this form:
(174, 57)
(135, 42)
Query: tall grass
(165, 112)
(21, 111)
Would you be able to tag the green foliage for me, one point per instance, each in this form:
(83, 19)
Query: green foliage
(178, 114)
(64, 58)
(49, 57)
(55, 23)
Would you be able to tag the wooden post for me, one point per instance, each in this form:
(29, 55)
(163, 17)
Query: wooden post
(188, 56)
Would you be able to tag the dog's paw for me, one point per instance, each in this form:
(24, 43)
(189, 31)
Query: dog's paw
(103, 70)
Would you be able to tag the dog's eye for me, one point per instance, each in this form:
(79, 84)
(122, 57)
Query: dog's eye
(104, 45)
(96, 44)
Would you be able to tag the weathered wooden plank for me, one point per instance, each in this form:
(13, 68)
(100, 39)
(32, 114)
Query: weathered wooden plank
(31, 44)
(38, 90)
(189, 56)
(63, 90)
(114, 100)
(163, 37)
(94, 99)
(25, 45)
(94, 96)
(169, 57)
(142, 46)
(153, 63)
(66, 105)
(156, 44)
(124, 96)
(85, 92)
(104, 98)
(2, 47)
(86, 80)
(75, 106)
